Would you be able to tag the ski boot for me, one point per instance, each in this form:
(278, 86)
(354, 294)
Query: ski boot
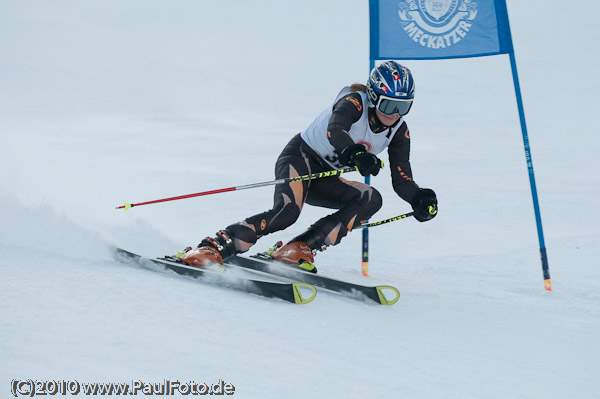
(300, 251)
(210, 253)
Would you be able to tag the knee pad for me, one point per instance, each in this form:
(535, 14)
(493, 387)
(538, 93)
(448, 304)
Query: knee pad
(369, 202)
(375, 202)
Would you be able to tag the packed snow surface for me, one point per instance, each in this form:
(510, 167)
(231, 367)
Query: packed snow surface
(106, 102)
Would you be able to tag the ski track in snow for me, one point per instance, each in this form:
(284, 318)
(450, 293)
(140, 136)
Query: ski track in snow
(99, 107)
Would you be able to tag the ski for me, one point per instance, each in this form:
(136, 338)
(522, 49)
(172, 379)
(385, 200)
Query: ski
(262, 263)
(288, 291)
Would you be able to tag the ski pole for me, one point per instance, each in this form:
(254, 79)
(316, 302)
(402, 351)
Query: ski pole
(432, 211)
(399, 217)
(313, 176)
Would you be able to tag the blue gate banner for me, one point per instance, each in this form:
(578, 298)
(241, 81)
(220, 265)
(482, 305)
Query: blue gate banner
(436, 29)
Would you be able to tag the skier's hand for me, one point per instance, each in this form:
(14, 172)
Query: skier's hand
(356, 155)
(424, 204)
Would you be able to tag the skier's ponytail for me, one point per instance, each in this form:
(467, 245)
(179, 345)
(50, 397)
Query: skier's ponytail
(358, 87)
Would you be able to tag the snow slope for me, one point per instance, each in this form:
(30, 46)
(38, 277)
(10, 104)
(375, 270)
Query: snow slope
(105, 102)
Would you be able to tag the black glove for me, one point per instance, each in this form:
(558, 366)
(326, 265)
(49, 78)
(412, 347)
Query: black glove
(357, 155)
(424, 203)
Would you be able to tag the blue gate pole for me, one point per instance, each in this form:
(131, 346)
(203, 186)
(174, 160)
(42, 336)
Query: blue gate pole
(536, 205)
(365, 243)
(365, 232)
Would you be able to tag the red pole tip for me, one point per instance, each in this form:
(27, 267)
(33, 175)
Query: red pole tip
(547, 285)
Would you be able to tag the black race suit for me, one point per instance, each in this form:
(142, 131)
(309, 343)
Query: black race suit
(353, 201)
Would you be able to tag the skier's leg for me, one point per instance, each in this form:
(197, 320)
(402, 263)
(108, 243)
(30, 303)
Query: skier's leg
(356, 202)
(288, 202)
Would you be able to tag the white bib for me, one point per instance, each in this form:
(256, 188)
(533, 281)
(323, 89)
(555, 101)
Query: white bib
(316, 134)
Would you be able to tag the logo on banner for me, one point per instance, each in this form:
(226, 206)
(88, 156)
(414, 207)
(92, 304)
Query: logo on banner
(437, 24)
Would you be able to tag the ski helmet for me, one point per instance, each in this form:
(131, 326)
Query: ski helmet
(391, 88)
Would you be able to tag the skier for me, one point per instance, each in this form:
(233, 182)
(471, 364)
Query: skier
(362, 122)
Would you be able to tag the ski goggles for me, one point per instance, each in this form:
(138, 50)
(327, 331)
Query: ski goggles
(391, 106)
